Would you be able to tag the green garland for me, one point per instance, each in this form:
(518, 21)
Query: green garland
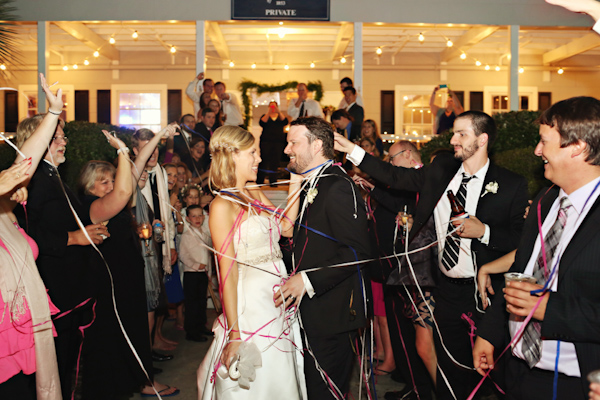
(246, 85)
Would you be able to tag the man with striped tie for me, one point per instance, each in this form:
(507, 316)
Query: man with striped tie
(495, 200)
(303, 106)
(560, 248)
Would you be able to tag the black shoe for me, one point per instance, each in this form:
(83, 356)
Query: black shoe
(196, 337)
(156, 356)
(206, 332)
(156, 371)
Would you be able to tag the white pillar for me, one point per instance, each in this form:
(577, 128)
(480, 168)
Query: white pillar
(43, 55)
(513, 70)
(357, 65)
(200, 46)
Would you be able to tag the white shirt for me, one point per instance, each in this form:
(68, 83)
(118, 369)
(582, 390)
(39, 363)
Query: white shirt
(231, 108)
(343, 105)
(568, 364)
(192, 250)
(597, 26)
(441, 212)
(311, 107)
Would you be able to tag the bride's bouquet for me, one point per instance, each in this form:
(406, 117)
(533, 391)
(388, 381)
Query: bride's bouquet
(244, 364)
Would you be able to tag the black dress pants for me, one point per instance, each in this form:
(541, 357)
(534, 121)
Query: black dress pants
(195, 285)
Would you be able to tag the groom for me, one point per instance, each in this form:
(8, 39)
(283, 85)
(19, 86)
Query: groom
(332, 230)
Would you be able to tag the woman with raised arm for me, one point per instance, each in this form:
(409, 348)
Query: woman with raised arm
(28, 367)
(245, 230)
(111, 367)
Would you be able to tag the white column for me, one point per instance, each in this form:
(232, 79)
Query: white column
(43, 58)
(357, 65)
(513, 70)
(200, 46)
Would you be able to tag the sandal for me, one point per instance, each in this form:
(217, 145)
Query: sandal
(160, 392)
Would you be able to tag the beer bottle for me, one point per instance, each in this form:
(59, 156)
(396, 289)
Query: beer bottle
(457, 209)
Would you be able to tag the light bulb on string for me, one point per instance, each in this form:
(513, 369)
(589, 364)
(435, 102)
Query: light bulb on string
(253, 66)
(286, 67)
(421, 37)
(173, 50)
(463, 56)
(96, 54)
(312, 64)
(65, 68)
(3, 67)
(343, 60)
(134, 35)
(75, 66)
(478, 63)
(521, 70)
(378, 51)
(497, 68)
(86, 62)
(560, 71)
(231, 64)
(112, 40)
(487, 67)
(449, 43)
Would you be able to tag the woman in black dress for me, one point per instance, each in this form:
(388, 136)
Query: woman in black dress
(272, 142)
(110, 367)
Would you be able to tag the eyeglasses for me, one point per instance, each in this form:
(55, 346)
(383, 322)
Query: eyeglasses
(59, 138)
(397, 154)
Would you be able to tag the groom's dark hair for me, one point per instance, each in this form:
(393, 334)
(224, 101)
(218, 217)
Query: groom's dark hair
(318, 128)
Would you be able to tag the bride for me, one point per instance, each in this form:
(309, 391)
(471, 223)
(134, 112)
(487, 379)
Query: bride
(245, 230)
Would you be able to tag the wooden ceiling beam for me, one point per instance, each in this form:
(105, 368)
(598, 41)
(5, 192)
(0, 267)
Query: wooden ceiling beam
(466, 41)
(218, 40)
(577, 46)
(343, 40)
(90, 38)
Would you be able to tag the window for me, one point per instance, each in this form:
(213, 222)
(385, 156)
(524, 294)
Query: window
(139, 106)
(28, 104)
(500, 103)
(496, 99)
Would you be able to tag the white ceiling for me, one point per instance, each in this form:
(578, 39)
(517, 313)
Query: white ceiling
(324, 43)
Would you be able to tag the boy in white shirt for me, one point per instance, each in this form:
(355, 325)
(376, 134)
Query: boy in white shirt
(195, 258)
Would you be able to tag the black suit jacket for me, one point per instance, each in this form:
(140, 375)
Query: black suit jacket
(572, 311)
(502, 212)
(64, 269)
(338, 212)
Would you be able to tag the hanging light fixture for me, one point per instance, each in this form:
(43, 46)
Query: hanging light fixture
(134, 35)
(478, 63)
(378, 51)
(96, 54)
(421, 37)
(560, 71)
(312, 64)
(463, 56)
(86, 62)
(343, 60)
(253, 66)
(173, 50)
(231, 64)
(112, 40)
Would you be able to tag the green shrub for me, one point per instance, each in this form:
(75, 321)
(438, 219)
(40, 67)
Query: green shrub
(516, 130)
(524, 162)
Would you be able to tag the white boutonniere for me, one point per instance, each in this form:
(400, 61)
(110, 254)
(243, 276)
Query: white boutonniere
(491, 187)
(311, 194)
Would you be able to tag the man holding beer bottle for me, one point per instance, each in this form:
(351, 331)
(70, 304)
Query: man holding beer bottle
(493, 199)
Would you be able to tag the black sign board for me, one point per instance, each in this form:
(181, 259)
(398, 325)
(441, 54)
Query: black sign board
(281, 10)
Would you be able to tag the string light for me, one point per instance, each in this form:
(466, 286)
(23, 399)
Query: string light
(521, 70)
(286, 66)
(560, 71)
(134, 35)
(112, 40)
(343, 60)
(173, 50)
(421, 37)
(280, 22)
(86, 62)
(3, 67)
(449, 43)
(75, 66)
(312, 64)
(65, 68)
(231, 64)
(378, 51)
(96, 54)
(478, 63)
(497, 68)
(487, 67)
(253, 66)
(463, 56)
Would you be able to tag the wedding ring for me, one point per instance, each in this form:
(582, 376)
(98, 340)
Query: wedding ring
(293, 298)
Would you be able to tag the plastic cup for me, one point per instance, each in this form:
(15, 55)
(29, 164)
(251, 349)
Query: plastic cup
(594, 376)
(517, 277)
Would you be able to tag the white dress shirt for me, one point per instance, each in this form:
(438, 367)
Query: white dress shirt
(231, 108)
(568, 363)
(312, 108)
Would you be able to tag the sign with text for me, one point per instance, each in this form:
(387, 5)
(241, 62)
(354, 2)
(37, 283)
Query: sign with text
(312, 10)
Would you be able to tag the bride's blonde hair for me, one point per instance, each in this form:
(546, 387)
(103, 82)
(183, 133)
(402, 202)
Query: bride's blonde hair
(226, 141)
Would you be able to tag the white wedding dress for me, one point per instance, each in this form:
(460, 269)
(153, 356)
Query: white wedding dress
(261, 272)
